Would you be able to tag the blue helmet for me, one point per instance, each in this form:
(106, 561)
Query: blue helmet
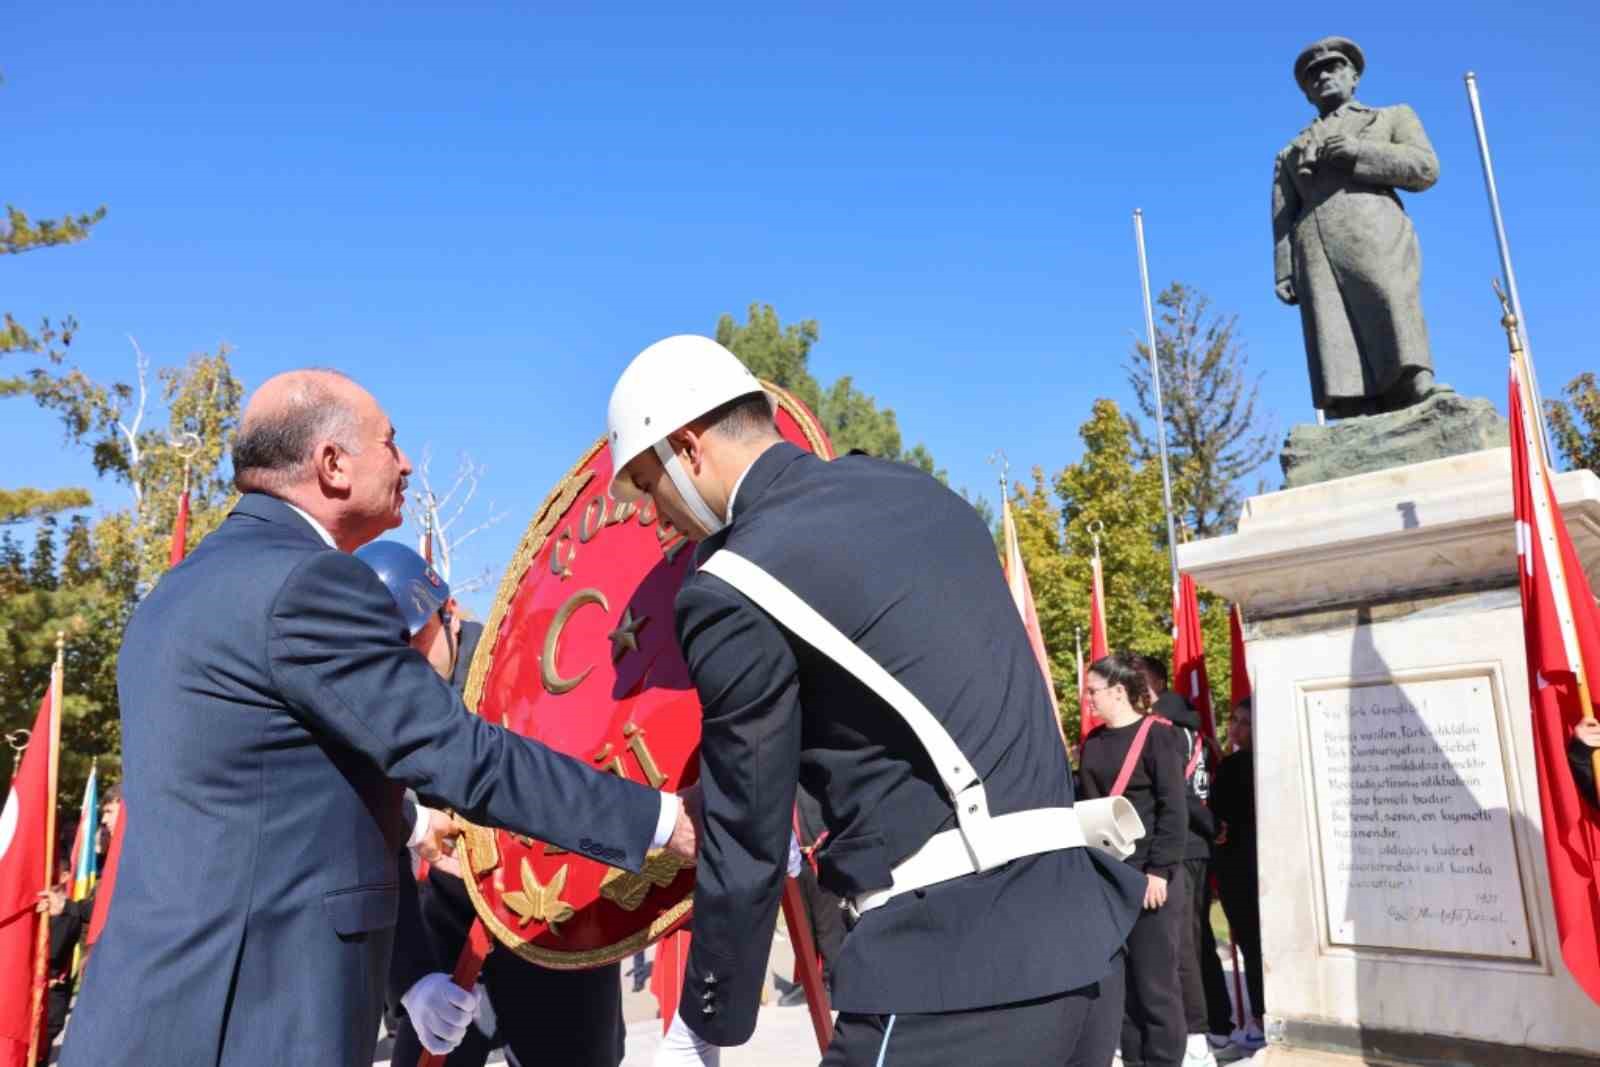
(417, 589)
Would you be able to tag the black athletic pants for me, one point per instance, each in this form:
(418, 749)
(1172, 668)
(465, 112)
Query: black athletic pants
(1242, 903)
(1206, 1006)
(1153, 1029)
(1077, 1029)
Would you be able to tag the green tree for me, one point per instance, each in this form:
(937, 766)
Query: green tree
(1209, 398)
(42, 564)
(1114, 492)
(86, 580)
(781, 355)
(19, 234)
(1575, 423)
(91, 613)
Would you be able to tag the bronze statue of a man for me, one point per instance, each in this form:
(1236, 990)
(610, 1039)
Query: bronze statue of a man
(1344, 249)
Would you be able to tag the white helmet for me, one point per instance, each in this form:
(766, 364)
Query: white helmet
(666, 387)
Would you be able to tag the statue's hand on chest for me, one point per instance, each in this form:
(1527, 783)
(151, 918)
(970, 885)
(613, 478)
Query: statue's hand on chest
(1333, 143)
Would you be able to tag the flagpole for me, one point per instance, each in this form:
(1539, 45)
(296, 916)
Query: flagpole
(42, 946)
(1520, 323)
(1543, 496)
(1155, 384)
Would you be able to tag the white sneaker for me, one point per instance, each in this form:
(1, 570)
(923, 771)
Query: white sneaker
(1197, 1053)
(1250, 1038)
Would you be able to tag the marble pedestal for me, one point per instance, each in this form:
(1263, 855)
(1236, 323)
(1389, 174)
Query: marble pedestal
(1404, 891)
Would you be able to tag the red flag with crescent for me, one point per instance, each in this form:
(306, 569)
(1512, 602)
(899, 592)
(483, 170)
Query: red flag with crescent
(1022, 595)
(1561, 628)
(579, 652)
(27, 852)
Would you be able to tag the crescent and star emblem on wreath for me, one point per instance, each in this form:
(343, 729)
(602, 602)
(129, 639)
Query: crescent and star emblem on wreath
(579, 653)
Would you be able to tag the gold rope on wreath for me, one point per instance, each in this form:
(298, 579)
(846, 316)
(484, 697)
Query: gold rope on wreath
(482, 851)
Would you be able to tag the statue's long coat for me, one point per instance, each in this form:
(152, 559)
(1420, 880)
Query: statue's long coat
(1345, 240)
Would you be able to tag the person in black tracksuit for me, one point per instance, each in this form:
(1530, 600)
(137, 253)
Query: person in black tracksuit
(1153, 1028)
(1207, 1009)
(1233, 802)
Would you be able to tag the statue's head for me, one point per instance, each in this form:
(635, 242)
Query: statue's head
(1328, 70)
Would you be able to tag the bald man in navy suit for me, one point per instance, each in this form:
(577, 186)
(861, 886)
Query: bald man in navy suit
(272, 713)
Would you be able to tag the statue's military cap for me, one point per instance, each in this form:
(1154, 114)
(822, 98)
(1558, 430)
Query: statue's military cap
(1324, 50)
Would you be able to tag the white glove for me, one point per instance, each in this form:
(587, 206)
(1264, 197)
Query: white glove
(485, 1020)
(682, 1047)
(440, 1011)
(794, 855)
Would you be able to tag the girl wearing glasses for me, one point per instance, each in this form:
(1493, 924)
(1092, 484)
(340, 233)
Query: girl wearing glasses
(1141, 757)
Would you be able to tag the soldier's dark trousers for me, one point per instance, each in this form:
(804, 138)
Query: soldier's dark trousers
(1078, 1029)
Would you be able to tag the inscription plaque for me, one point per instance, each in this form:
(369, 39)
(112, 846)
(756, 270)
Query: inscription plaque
(1412, 818)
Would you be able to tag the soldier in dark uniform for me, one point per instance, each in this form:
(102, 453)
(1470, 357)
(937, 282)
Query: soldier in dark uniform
(951, 959)
(573, 1018)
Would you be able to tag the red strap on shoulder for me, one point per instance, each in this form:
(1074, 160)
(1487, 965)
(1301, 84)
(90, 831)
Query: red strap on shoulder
(1135, 750)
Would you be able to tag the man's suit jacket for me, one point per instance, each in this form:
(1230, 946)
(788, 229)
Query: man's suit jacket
(271, 711)
(907, 570)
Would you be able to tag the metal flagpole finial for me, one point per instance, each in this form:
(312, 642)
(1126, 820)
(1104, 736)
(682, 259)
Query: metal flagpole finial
(187, 444)
(1095, 529)
(17, 742)
(998, 458)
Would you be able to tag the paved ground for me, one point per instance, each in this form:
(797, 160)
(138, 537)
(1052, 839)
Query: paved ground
(783, 1037)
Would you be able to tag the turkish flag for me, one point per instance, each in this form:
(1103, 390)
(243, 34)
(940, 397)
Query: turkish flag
(1562, 633)
(666, 975)
(1098, 647)
(1022, 595)
(1239, 675)
(1189, 656)
(180, 531)
(26, 854)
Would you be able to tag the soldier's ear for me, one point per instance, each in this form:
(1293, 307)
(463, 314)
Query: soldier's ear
(691, 444)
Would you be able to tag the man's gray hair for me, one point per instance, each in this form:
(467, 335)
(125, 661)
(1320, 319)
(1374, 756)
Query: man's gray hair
(274, 450)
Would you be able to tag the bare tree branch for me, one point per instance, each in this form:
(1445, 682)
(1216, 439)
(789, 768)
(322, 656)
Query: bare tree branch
(429, 510)
(142, 363)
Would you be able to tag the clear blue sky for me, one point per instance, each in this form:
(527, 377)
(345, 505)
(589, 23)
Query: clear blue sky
(483, 211)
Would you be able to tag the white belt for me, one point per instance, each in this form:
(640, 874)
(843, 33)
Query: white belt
(1110, 825)
(980, 841)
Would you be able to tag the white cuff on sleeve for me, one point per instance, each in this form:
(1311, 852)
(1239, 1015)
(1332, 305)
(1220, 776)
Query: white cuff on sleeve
(667, 820)
(420, 829)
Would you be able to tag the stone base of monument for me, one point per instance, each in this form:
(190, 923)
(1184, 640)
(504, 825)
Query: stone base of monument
(1445, 424)
(1405, 898)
